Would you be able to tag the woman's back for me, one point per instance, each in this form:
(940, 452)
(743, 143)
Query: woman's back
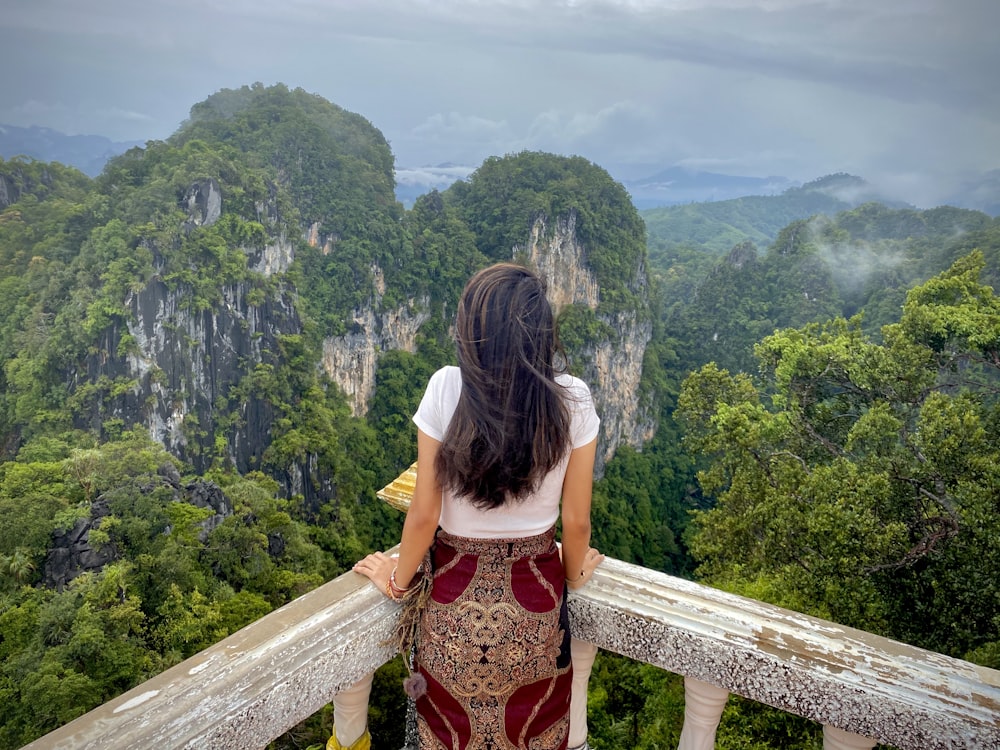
(511, 423)
(527, 516)
(504, 448)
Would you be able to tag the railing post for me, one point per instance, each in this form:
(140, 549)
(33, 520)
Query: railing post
(838, 739)
(583, 654)
(703, 706)
(350, 711)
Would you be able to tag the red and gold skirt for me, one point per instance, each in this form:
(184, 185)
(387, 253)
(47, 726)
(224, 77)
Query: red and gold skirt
(493, 645)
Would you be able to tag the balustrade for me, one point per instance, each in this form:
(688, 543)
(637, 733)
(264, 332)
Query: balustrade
(256, 684)
(259, 682)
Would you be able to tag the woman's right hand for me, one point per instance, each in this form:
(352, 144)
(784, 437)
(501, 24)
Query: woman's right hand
(591, 560)
(377, 567)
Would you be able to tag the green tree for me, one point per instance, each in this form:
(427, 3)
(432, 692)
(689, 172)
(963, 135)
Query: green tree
(20, 566)
(858, 481)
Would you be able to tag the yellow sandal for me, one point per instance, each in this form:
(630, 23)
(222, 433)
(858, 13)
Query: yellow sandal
(364, 742)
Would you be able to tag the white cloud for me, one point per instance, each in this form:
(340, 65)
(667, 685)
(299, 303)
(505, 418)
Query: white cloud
(117, 113)
(747, 163)
(36, 108)
(455, 124)
(579, 126)
(440, 176)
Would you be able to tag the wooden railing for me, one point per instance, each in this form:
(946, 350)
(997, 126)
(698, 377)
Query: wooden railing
(253, 686)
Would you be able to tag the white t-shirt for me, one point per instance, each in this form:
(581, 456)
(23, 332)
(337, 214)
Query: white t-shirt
(536, 513)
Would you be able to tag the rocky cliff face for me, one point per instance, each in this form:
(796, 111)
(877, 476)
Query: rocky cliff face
(561, 260)
(612, 366)
(203, 202)
(8, 192)
(350, 360)
(18, 181)
(181, 363)
(616, 368)
(72, 553)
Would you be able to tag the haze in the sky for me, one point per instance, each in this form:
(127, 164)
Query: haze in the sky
(901, 92)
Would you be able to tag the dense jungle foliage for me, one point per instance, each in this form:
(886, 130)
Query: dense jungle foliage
(857, 480)
(857, 352)
(841, 408)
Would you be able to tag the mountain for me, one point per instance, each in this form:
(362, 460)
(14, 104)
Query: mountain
(210, 354)
(262, 246)
(680, 185)
(88, 153)
(717, 226)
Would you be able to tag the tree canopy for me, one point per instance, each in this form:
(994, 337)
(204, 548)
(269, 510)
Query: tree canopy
(858, 480)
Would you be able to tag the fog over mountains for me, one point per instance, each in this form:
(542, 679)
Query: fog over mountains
(659, 186)
(88, 153)
(676, 185)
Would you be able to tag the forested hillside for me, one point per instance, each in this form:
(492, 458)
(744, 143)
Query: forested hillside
(211, 352)
(686, 240)
(860, 261)
(857, 479)
(840, 405)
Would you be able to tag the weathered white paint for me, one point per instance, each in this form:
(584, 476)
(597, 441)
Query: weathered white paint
(703, 706)
(137, 700)
(253, 686)
(862, 683)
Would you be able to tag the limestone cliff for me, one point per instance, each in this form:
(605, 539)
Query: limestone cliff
(175, 369)
(612, 364)
(181, 363)
(351, 360)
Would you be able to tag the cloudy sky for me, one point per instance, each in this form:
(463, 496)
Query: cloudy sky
(902, 92)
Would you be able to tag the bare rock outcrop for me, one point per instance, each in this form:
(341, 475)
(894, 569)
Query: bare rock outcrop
(350, 360)
(612, 366)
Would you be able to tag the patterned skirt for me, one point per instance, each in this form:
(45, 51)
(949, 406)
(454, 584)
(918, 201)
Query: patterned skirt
(493, 645)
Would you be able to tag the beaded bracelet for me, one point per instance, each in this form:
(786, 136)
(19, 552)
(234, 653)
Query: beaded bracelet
(394, 591)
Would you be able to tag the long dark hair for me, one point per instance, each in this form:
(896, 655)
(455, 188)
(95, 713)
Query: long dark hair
(511, 425)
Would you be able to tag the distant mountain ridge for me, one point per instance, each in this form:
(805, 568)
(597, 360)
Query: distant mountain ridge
(666, 187)
(718, 226)
(682, 185)
(672, 186)
(88, 153)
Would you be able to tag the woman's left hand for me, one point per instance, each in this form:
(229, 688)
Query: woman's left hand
(591, 560)
(377, 567)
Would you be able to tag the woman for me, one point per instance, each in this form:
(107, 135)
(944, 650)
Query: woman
(501, 439)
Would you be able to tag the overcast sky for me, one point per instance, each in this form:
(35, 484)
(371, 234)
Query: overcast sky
(902, 92)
